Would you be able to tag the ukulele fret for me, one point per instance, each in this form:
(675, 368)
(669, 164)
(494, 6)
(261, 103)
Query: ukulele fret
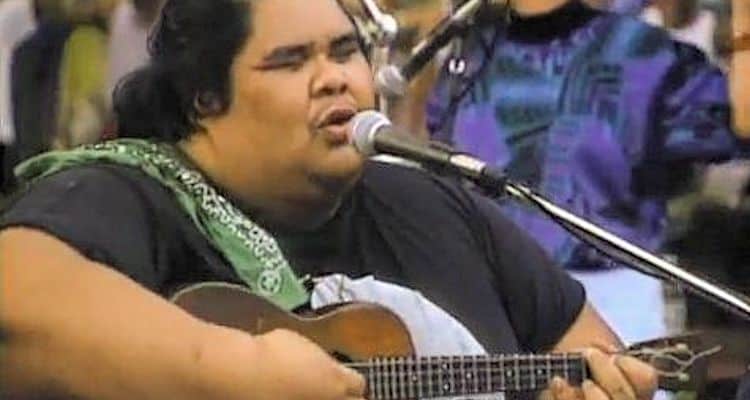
(377, 387)
(440, 377)
(582, 366)
(503, 371)
(429, 377)
(488, 371)
(394, 378)
(476, 375)
(402, 378)
(450, 387)
(461, 370)
(371, 377)
(409, 378)
(418, 375)
(386, 383)
(549, 368)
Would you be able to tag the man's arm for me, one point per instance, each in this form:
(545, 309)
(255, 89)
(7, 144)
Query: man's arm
(589, 330)
(614, 376)
(74, 327)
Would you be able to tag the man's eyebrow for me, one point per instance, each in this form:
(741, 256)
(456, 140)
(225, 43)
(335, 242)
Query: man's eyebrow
(302, 49)
(292, 50)
(345, 39)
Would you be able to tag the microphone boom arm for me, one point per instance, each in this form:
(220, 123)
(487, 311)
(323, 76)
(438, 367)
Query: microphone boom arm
(631, 255)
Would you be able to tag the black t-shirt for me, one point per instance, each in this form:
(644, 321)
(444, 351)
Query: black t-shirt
(398, 224)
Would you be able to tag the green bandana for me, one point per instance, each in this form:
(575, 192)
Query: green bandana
(252, 251)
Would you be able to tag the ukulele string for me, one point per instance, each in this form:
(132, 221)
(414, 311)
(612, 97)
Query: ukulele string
(649, 354)
(668, 355)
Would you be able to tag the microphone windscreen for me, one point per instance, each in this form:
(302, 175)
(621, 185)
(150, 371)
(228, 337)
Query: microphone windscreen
(364, 127)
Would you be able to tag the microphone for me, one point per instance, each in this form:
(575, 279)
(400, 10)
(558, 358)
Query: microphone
(393, 81)
(374, 134)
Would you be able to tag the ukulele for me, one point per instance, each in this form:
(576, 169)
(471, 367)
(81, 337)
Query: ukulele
(375, 342)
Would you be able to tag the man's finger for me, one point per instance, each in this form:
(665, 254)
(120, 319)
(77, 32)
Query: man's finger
(355, 382)
(608, 376)
(593, 392)
(564, 391)
(642, 376)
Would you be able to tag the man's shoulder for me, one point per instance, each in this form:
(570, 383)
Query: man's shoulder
(100, 176)
(96, 186)
(403, 176)
(410, 187)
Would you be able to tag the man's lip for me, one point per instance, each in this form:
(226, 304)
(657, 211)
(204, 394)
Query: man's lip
(334, 113)
(337, 134)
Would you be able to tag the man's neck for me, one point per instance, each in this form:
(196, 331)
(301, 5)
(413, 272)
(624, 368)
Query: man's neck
(536, 7)
(257, 195)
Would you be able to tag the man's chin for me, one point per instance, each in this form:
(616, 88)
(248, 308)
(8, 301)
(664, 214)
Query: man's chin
(336, 181)
(340, 171)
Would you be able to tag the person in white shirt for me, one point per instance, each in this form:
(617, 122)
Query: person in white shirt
(16, 22)
(128, 47)
(686, 21)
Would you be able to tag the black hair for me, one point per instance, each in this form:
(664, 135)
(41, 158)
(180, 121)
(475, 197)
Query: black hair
(192, 48)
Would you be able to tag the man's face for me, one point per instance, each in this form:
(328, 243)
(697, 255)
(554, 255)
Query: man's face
(297, 82)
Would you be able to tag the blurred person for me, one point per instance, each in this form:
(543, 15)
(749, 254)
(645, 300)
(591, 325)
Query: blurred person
(57, 87)
(128, 37)
(686, 20)
(35, 79)
(599, 112)
(16, 23)
(237, 166)
(631, 7)
(740, 95)
(628, 7)
(740, 66)
(82, 113)
(81, 101)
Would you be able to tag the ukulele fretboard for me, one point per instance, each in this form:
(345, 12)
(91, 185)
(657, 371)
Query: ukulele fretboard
(426, 377)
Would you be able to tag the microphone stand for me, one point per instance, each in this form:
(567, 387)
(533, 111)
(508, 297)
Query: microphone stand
(625, 252)
(383, 38)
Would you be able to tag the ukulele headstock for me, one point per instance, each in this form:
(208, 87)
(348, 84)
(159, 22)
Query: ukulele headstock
(680, 361)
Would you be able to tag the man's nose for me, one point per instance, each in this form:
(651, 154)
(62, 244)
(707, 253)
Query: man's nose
(330, 78)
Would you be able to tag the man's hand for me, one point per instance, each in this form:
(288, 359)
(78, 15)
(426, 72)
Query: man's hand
(296, 369)
(614, 377)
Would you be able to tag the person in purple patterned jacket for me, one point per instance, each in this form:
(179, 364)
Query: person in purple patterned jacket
(602, 114)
